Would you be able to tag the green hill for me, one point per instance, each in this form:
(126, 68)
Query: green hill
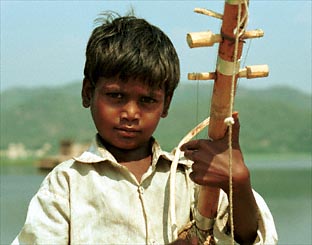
(277, 119)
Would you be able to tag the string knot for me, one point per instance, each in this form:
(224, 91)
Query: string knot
(229, 121)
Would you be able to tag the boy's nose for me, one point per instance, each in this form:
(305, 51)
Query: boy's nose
(131, 111)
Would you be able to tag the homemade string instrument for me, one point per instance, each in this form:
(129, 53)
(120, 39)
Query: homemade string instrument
(231, 40)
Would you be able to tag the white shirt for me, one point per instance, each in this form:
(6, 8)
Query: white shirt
(92, 199)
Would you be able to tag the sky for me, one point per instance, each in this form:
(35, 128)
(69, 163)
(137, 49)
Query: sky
(43, 42)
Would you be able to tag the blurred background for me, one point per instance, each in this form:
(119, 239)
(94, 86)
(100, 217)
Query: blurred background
(42, 120)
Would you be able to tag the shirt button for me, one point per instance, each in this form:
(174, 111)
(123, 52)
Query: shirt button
(153, 242)
(141, 190)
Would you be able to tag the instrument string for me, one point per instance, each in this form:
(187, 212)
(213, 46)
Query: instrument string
(197, 103)
(240, 20)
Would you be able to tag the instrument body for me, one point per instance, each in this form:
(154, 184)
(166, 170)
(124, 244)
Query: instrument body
(220, 109)
(231, 41)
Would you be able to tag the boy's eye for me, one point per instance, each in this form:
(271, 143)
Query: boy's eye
(115, 95)
(148, 100)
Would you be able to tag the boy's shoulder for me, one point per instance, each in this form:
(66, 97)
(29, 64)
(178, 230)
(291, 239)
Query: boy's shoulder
(64, 165)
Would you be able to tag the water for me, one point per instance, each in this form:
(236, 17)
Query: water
(284, 184)
(18, 184)
(286, 187)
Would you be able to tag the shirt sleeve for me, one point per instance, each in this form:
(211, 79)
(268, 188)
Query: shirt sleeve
(47, 220)
(266, 233)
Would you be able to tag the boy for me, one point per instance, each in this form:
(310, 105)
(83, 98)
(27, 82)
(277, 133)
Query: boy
(117, 192)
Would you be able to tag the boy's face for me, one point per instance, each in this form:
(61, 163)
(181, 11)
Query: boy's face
(127, 113)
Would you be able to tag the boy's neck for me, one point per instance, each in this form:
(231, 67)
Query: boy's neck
(124, 155)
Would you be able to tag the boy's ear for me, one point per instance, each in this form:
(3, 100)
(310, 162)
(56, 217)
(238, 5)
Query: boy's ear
(166, 106)
(86, 93)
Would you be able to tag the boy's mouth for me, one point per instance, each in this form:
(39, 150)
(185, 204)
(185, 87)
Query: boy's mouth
(128, 132)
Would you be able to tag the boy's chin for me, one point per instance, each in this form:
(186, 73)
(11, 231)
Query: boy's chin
(126, 144)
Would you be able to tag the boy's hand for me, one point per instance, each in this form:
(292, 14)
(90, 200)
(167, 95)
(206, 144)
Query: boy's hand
(211, 168)
(211, 161)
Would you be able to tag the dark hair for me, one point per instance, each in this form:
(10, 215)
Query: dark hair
(129, 47)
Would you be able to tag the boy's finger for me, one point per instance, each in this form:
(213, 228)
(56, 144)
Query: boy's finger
(191, 145)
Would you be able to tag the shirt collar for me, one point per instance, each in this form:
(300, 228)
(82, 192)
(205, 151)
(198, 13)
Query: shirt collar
(98, 153)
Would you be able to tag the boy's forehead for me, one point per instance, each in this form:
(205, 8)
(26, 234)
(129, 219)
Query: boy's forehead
(131, 82)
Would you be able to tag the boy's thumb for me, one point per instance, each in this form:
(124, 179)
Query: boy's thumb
(235, 127)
